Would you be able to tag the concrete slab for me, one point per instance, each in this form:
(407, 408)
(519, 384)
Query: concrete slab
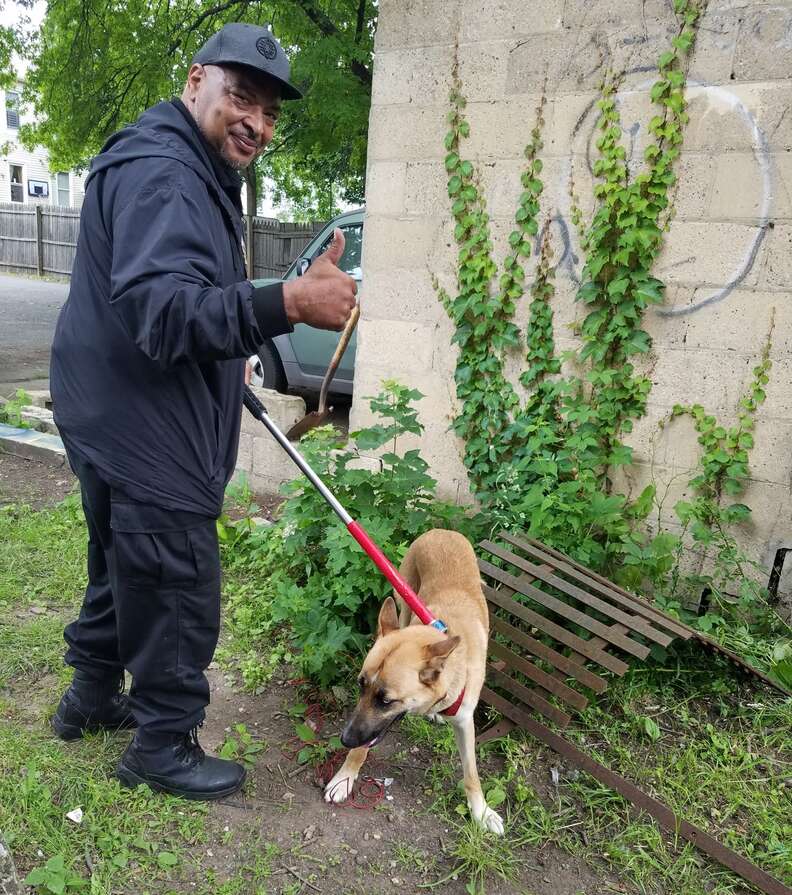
(31, 443)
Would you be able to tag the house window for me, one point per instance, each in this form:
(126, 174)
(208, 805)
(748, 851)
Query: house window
(17, 190)
(12, 108)
(62, 184)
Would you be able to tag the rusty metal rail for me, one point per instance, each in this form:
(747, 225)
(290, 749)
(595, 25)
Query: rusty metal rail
(554, 625)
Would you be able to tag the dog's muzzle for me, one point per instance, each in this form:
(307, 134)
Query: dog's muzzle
(353, 739)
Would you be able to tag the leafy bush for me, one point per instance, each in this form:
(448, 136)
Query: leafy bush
(10, 410)
(313, 575)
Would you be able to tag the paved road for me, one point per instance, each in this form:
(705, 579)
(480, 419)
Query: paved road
(28, 311)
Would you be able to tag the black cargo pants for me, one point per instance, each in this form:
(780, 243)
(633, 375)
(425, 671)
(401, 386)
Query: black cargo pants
(152, 605)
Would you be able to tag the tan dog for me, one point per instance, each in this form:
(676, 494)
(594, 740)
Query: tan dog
(417, 669)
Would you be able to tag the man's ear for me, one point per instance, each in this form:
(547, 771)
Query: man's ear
(388, 618)
(435, 658)
(195, 76)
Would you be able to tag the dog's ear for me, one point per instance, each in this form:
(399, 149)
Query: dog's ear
(388, 618)
(436, 655)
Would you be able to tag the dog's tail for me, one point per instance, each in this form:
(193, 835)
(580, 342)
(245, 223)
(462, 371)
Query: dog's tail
(409, 571)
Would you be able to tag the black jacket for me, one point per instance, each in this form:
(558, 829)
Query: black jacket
(147, 363)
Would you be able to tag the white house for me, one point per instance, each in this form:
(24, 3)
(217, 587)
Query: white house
(26, 176)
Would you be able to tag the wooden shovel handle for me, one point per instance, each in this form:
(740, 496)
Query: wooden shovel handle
(335, 360)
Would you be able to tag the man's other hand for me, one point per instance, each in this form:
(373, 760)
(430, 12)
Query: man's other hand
(324, 295)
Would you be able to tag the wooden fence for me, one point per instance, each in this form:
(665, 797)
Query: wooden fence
(42, 239)
(276, 245)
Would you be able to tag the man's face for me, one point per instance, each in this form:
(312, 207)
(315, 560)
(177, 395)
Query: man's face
(235, 110)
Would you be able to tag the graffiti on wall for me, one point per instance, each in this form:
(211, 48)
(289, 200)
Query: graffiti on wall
(716, 98)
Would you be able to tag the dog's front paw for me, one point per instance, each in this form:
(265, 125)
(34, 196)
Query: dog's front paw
(436, 718)
(339, 789)
(491, 821)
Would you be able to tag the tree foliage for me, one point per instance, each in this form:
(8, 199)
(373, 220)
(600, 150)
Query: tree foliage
(9, 44)
(95, 66)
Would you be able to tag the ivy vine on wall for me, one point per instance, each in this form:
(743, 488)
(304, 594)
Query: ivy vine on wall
(543, 460)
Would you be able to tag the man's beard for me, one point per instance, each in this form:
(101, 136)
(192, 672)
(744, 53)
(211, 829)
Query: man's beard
(221, 153)
(231, 162)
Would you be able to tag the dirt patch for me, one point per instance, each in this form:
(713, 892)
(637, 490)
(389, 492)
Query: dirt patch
(34, 482)
(267, 505)
(344, 849)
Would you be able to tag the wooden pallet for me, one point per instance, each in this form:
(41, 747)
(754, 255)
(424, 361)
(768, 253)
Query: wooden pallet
(557, 629)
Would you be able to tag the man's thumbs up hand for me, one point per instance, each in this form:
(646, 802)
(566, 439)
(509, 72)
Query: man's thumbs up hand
(324, 295)
(335, 250)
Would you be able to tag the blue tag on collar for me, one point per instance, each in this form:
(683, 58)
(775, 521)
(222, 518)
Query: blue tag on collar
(441, 626)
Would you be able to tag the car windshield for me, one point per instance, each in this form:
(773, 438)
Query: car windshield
(350, 260)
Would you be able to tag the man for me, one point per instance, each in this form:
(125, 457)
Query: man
(147, 378)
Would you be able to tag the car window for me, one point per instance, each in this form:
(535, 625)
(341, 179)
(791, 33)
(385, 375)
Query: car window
(350, 260)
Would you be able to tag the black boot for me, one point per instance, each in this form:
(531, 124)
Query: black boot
(90, 705)
(177, 764)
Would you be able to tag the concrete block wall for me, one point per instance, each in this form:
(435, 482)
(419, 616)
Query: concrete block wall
(728, 259)
(262, 460)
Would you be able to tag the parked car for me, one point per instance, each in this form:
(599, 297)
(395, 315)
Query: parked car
(297, 361)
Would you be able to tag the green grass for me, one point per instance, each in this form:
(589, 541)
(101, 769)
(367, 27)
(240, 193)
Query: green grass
(479, 858)
(30, 648)
(126, 836)
(42, 554)
(723, 761)
(129, 840)
(249, 879)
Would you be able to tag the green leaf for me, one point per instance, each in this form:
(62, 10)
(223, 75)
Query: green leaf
(733, 486)
(36, 877)
(651, 729)
(305, 733)
(167, 859)
(643, 504)
(304, 755)
(658, 90)
(496, 796)
(229, 749)
(737, 512)
(651, 292)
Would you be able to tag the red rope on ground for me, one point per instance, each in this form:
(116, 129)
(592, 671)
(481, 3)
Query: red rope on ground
(368, 791)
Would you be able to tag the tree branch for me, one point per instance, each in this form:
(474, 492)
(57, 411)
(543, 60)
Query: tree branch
(328, 28)
(361, 19)
(213, 11)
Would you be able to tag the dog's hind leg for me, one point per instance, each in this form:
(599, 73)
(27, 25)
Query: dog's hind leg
(339, 789)
(479, 809)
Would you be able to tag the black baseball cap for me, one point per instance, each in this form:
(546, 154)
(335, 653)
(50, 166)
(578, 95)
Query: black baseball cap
(252, 46)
